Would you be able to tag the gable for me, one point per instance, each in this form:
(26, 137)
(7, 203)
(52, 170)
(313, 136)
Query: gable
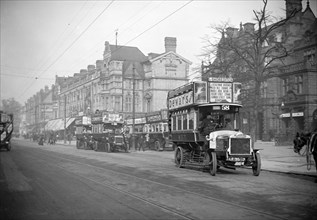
(170, 56)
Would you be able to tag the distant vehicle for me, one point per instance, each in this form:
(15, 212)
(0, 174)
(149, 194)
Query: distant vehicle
(113, 126)
(215, 146)
(83, 132)
(6, 129)
(100, 132)
(151, 131)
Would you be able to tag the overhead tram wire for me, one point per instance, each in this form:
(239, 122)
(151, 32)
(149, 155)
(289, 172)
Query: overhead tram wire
(120, 26)
(24, 92)
(61, 38)
(44, 61)
(169, 15)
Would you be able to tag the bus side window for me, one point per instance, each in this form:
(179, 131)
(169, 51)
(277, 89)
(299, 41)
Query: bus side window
(185, 122)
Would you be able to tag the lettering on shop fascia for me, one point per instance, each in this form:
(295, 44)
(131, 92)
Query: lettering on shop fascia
(295, 114)
(154, 118)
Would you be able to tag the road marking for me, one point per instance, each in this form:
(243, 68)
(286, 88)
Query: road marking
(16, 181)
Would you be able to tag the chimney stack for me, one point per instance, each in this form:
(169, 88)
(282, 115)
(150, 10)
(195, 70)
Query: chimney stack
(170, 44)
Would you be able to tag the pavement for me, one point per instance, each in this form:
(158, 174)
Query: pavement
(273, 158)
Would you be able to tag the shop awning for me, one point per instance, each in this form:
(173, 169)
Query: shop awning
(69, 122)
(59, 125)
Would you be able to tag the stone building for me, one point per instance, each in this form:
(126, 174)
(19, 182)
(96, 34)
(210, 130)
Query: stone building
(290, 98)
(124, 78)
(288, 93)
(39, 110)
(162, 73)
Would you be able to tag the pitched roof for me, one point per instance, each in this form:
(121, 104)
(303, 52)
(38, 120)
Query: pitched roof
(127, 68)
(126, 53)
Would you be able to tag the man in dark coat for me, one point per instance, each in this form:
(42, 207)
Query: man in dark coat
(208, 125)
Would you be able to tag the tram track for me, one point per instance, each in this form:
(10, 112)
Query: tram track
(167, 170)
(67, 161)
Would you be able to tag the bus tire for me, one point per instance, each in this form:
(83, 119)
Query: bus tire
(256, 167)
(213, 163)
(157, 145)
(179, 157)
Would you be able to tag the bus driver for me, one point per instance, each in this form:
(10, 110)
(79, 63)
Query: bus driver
(208, 125)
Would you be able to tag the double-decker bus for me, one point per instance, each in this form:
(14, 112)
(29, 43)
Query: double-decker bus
(221, 146)
(151, 130)
(6, 129)
(156, 130)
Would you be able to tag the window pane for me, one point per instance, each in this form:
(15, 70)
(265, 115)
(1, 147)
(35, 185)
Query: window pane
(185, 122)
(179, 122)
(174, 123)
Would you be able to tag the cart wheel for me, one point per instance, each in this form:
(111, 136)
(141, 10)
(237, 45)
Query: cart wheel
(179, 157)
(157, 145)
(109, 148)
(213, 163)
(9, 146)
(256, 167)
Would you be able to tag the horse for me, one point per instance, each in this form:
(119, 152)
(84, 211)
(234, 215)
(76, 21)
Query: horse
(309, 139)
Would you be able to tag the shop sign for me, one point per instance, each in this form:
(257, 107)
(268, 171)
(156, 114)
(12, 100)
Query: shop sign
(298, 114)
(285, 115)
(136, 121)
(154, 118)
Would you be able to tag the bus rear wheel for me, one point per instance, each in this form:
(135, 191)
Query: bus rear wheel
(179, 157)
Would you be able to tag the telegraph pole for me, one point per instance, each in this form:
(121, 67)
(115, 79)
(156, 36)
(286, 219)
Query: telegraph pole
(133, 107)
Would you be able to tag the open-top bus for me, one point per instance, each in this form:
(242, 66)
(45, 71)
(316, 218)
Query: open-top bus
(188, 105)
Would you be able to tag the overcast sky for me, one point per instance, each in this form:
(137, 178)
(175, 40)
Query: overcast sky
(41, 39)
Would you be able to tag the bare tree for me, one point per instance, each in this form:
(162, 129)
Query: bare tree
(250, 54)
